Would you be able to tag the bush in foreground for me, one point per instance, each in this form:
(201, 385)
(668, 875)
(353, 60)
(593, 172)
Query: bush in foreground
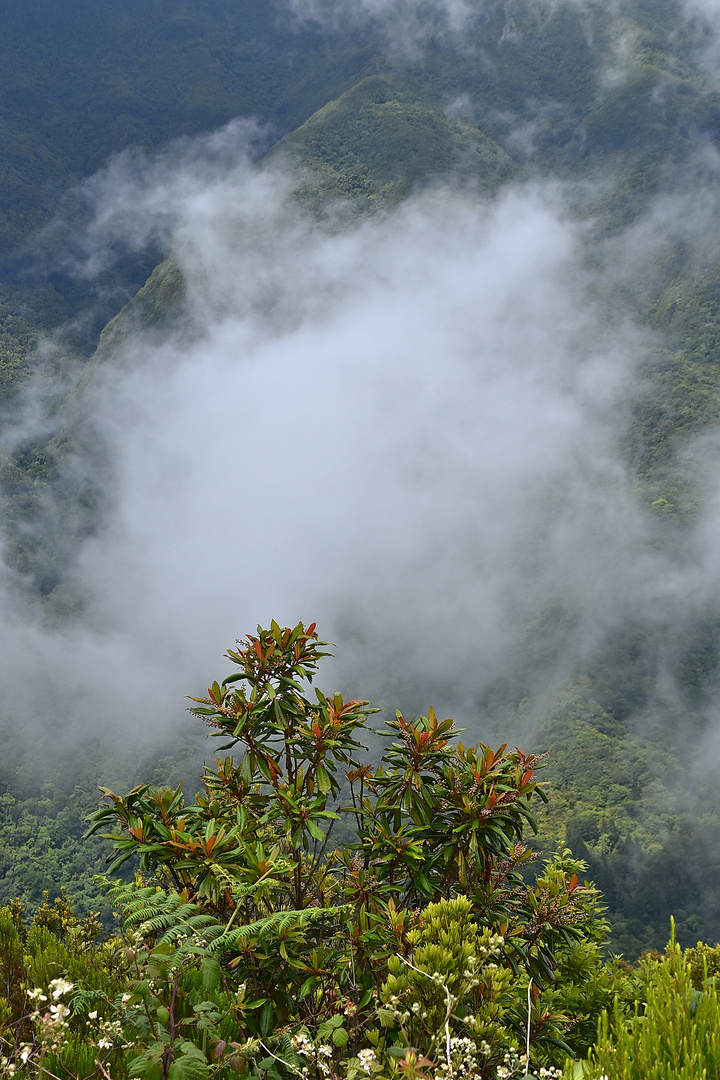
(662, 1026)
(251, 945)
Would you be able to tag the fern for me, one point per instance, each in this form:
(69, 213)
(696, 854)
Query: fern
(278, 923)
(84, 999)
(167, 917)
(238, 890)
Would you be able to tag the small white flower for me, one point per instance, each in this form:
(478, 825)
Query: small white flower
(367, 1059)
(92, 1015)
(59, 987)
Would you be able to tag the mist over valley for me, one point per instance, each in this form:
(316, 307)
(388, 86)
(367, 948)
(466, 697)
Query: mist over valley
(402, 318)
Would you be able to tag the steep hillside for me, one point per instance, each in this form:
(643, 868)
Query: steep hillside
(614, 108)
(89, 80)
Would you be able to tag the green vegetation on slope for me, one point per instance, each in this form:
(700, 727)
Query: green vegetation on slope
(581, 95)
(379, 141)
(85, 81)
(89, 79)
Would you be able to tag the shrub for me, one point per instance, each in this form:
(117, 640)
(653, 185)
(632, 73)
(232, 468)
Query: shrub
(252, 946)
(671, 1035)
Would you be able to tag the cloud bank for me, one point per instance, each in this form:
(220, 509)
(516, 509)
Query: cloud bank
(406, 431)
(398, 432)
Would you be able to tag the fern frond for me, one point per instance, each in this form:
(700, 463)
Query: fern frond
(277, 923)
(238, 889)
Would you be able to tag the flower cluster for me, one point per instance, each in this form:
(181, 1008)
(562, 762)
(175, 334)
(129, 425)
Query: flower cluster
(51, 1025)
(466, 1059)
(320, 1056)
(518, 1065)
(367, 1059)
(395, 1007)
(111, 1034)
(493, 946)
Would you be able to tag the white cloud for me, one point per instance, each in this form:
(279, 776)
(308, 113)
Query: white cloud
(406, 432)
(403, 25)
(399, 431)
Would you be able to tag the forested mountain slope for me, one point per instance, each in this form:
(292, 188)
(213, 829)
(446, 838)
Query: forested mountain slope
(614, 108)
(87, 80)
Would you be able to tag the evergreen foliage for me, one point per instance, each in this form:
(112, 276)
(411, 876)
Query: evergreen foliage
(249, 946)
(671, 1033)
(371, 128)
(252, 946)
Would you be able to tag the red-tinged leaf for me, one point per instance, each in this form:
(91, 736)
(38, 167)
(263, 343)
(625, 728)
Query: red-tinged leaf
(219, 1049)
(311, 629)
(573, 883)
(258, 649)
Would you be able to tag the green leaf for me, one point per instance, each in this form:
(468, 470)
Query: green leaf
(147, 1065)
(267, 1017)
(323, 780)
(340, 1036)
(315, 831)
(308, 986)
(423, 884)
(189, 1049)
(327, 1028)
(188, 1067)
(210, 973)
(386, 1018)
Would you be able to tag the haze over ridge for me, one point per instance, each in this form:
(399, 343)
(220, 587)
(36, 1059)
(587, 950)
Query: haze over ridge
(398, 430)
(437, 372)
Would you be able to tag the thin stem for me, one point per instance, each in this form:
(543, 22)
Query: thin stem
(436, 979)
(317, 855)
(527, 1040)
(282, 1062)
(169, 1051)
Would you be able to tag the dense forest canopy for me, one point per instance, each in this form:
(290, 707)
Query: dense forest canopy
(401, 313)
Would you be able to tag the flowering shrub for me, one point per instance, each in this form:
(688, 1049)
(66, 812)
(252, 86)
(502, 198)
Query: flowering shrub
(252, 946)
